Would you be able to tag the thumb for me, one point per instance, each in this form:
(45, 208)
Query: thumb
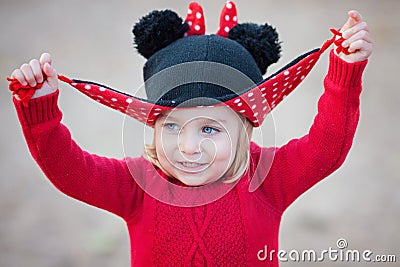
(354, 18)
(52, 76)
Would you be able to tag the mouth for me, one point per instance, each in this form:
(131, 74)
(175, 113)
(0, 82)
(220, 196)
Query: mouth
(191, 167)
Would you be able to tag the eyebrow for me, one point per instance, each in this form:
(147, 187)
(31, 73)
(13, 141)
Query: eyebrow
(222, 121)
(204, 118)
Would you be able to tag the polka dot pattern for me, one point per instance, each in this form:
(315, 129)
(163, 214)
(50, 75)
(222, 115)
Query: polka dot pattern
(255, 104)
(195, 20)
(228, 19)
(137, 108)
(260, 100)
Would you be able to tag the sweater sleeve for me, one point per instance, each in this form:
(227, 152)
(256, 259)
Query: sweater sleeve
(99, 181)
(303, 162)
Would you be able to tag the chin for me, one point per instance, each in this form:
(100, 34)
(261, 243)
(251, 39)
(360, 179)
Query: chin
(190, 182)
(195, 181)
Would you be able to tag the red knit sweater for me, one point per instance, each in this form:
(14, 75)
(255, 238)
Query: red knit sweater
(227, 232)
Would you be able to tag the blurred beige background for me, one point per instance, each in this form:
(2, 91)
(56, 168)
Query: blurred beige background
(92, 40)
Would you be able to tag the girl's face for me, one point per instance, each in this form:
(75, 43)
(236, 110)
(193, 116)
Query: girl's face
(197, 145)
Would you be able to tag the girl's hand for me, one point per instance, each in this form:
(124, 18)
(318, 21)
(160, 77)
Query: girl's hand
(358, 40)
(38, 71)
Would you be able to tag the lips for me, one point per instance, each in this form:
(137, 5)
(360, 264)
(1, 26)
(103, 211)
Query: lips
(191, 167)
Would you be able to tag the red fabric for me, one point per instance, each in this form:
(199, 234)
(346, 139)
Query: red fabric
(23, 93)
(227, 232)
(228, 19)
(338, 42)
(195, 19)
(255, 104)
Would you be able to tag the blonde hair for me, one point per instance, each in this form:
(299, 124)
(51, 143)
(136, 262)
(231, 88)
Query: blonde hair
(240, 162)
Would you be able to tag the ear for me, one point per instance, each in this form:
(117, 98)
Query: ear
(157, 30)
(260, 40)
(228, 19)
(195, 19)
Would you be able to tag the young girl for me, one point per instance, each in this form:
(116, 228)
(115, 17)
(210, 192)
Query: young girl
(203, 194)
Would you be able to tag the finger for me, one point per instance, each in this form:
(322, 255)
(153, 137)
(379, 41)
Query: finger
(28, 74)
(362, 26)
(52, 77)
(49, 71)
(37, 70)
(361, 35)
(45, 58)
(361, 46)
(17, 74)
(355, 15)
(354, 18)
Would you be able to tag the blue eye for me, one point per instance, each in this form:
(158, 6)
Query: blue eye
(209, 130)
(171, 126)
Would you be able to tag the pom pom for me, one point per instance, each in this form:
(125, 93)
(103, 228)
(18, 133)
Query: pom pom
(260, 40)
(157, 30)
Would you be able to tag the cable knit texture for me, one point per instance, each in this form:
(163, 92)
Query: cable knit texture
(210, 235)
(227, 232)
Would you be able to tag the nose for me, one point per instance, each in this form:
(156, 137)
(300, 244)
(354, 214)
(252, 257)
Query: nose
(189, 142)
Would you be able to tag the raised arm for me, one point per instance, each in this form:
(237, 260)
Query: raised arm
(301, 163)
(103, 182)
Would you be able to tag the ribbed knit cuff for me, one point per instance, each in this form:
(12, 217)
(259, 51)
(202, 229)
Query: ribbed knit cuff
(344, 74)
(39, 110)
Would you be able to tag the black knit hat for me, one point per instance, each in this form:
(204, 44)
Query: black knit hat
(220, 69)
(186, 67)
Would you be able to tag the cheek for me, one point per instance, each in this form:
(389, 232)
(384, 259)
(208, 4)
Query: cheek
(163, 155)
(226, 149)
(165, 145)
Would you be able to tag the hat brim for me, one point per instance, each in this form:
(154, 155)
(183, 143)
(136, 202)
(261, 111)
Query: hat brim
(254, 103)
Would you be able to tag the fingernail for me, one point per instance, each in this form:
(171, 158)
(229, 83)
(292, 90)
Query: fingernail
(347, 34)
(345, 44)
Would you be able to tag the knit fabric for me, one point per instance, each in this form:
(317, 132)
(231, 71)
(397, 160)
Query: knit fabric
(227, 232)
(190, 234)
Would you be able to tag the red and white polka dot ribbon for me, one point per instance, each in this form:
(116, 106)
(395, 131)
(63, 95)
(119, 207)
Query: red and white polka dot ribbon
(255, 103)
(195, 19)
(228, 19)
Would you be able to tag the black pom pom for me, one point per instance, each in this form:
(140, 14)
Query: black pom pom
(157, 30)
(260, 40)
